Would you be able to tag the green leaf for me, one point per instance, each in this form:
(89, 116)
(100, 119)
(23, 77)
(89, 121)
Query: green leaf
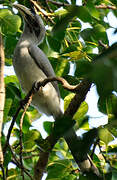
(61, 12)
(59, 169)
(114, 174)
(83, 14)
(7, 157)
(8, 103)
(102, 105)
(112, 105)
(87, 35)
(30, 137)
(83, 109)
(67, 100)
(70, 48)
(70, 177)
(8, 61)
(13, 174)
(99, 33)
(95, 13)
(33, 114)
(9, 23)
(48, 126)
(12, 91)
(10, 44)
(114, 2)
(11, 79)
(101, 71)
(73, 1)
(80, 114)
(54, 43)
(61, 67)
(82, 123)
(105, 135)
(60, 27)
(83, 68)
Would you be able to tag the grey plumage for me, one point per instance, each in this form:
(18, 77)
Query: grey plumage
(31, 64)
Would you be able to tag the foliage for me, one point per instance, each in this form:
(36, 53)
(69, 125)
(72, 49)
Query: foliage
(66, 42)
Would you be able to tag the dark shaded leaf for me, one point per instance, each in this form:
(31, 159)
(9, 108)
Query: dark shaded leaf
(54, 43)
(48, 126)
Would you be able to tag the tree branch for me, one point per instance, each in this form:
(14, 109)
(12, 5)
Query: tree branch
(104, 6)
(10, 129)
(43, 12)
(2, 93)
(21, 144)
(101, 6)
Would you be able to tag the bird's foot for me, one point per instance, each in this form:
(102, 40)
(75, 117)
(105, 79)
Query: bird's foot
(36, 86)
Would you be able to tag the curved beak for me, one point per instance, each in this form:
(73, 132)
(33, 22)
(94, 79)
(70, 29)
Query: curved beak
(25, 12)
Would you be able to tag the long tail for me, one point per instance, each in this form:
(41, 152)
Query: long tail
(84, 162)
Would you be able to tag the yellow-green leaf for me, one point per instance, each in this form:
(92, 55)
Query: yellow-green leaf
(9, 23)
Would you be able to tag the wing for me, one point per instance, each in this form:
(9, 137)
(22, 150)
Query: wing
(43, 63)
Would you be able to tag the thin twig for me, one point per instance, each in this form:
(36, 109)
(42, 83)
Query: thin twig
(105, 46)
(43, 12)
(30, 157)
(10, 129)
(21, 143)
(104, 6)
(65, 84)
(16, 161)
(2, 93)
(102, 153)
(94, 146)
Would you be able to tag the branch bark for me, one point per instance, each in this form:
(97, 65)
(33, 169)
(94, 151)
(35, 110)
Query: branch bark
(21, 143)
(2, 93)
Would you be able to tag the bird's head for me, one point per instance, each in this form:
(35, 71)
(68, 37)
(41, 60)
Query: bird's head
(34, 27)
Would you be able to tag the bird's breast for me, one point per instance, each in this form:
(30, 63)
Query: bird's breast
(27, 71)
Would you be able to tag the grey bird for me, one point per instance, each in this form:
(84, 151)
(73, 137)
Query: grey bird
(31, 65)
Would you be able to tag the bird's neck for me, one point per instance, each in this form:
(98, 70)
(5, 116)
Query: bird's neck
(28, 37)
